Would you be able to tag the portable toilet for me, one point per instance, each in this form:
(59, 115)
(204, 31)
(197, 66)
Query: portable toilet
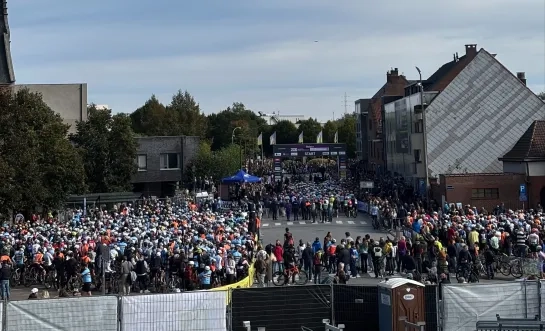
(400, 297)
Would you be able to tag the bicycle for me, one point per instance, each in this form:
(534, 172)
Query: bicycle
(74, 283)
(50, 279)
(32, 276)
(298, 277)
(469, 272)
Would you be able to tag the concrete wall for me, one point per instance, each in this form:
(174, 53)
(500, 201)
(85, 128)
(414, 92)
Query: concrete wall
(68, 100)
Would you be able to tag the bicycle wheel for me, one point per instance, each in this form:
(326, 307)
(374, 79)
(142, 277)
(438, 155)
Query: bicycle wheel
(49, 281)
(460, 274)
(516, 270)
(505, 268)
(29, 278)
(301, 278)
(278, 278)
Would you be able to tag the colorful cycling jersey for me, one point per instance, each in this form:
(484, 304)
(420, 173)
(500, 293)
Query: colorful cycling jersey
(38, 258)
(19, 257)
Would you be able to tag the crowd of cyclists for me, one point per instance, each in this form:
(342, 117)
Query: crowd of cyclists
(426, 243)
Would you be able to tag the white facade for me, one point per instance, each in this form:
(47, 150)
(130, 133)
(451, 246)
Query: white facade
(478, 118)
(527, 168)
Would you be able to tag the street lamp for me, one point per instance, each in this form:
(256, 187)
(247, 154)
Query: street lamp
(233, 134)
(239, 145)
(425, 136)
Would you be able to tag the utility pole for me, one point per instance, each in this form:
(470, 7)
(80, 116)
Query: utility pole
(425, 138)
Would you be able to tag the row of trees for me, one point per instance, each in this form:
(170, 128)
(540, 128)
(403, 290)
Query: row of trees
(184, 117)
(41, 163)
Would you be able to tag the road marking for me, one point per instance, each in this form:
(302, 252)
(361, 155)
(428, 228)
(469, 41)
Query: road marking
(290, 223)
(339, 222)
(266, 224)
(363, 222)
(302, 222)
(277, 224)
(351, 222)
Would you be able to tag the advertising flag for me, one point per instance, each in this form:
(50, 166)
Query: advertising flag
(260, 139)
(319, 138)
(272, 139)
(336, 138)
(301, 137)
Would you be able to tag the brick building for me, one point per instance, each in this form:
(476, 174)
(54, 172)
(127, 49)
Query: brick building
(370, 119)
(523, 165)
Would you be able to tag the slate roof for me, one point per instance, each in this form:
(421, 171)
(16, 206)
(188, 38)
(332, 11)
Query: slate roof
(530, 146)
(437, 76)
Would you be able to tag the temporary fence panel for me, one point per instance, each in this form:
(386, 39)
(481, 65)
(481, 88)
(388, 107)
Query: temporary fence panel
(281, 308)
(70, 314)
(196, 311)
(431, 301)
(465, 304)
(246, 282)
(542, 300)
(355, 306)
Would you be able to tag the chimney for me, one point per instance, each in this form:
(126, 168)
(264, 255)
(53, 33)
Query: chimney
(522, 77)
(392, 75)
(471, 50)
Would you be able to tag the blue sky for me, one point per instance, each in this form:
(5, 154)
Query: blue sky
(262, 53)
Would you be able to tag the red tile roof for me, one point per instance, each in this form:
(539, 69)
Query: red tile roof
(531, 146)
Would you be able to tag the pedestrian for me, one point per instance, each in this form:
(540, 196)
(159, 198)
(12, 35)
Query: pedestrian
(125, 281)
(261, 270)
(87, 280)
(5, 276)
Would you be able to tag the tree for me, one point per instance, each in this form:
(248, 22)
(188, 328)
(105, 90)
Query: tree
(310, 128)
(286, 133)
(217, 164)
(222, 124)
(330, 128)
(154, 119)
(347, 133)
(38, 165)
(541, 95)
(191, 121)
(108, 148)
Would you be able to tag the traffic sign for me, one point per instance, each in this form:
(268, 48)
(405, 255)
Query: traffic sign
(523, 197)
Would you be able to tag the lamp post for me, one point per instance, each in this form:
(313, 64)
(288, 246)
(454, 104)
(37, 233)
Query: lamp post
(425, 136)
(239, 145)
(233, 134)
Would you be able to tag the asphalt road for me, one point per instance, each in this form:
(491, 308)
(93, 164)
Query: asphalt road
(308, 231)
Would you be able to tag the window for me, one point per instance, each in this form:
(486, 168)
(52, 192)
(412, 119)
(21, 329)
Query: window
(417, 158)
(419, 126)
(142, 161)
(170, 161)
(485, 193)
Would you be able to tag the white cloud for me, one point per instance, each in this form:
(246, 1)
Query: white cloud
(275, 64)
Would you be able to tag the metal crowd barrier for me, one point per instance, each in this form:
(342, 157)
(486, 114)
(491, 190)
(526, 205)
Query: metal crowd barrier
(511, 324)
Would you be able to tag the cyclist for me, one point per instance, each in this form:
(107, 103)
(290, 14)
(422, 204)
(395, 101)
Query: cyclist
(19, 259)
(37, 262)
(289, 263)
(155, 267)
(465, 258)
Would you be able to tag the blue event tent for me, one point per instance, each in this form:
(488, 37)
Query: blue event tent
(240, 177)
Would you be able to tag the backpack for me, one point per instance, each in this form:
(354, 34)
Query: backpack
(260, 265)
(378, 251)
(317, 259)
